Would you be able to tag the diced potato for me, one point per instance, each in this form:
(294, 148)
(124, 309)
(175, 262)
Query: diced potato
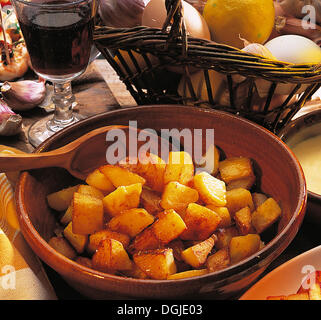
(196, 255)
(150, 167)
(218, 260)
(243, 220)
(67, 217)
(315, 292)
(111, 256)
(224, 236)
(90, 191)
(121, 176)
(98, 180)
(123, 198)
(237, 199)
(258, 199)
(187, 274)
(297, 296)
(179, 168)
(62, 246)
(211, 190)
(266, 214)
(242, 247)
(200, 221)
(245, 183)
(61, 200)
(223, 213)
(150, 200)
(158, 264)
(87, 214)
(211, 160)
(84, 261)
(235, 168)
(78, 241)
(177, 196)
(97, 237)
(131, 221)
(168, 226)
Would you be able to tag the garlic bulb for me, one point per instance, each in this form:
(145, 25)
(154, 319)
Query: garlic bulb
(23, 95)
(10, 123)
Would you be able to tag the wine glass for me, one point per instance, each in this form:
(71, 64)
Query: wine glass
(59, 39)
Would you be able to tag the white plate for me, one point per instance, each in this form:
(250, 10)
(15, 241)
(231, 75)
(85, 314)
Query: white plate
(287, 278)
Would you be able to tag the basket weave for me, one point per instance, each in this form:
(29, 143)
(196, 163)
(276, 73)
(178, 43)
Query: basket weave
(154, 83)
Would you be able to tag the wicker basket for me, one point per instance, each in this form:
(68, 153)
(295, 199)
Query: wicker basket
(154, 82)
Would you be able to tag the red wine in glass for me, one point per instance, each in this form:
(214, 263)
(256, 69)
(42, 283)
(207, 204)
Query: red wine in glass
(58, 42)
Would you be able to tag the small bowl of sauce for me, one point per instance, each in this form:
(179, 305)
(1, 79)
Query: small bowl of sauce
(303, 136)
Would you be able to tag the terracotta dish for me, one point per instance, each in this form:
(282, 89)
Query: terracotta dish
(278, 172)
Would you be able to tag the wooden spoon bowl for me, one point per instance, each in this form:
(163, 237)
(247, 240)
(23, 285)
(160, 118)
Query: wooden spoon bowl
(279, 175)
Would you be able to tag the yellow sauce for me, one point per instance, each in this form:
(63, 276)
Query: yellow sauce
(308, 153)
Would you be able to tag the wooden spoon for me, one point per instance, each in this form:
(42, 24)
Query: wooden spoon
(79, 157)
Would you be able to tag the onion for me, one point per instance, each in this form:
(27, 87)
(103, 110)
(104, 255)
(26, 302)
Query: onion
(122, 13)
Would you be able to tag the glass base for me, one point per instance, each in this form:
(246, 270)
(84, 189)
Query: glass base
(46, 127)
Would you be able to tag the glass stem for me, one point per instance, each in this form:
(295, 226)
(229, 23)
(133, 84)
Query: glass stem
(63, 99)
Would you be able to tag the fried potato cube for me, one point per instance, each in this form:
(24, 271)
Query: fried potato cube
(123, 198)
(84, 261)
(150, 200)
(67, 217)
(120, 176)
(97, 237)
(242, 247)
(245, 183)
(179, 168)
(315, 292)
(237, 199)
(168, 226)
(158, 264)
(111, 256)
(266, 214)
(131, 221)
(210, 161)
(177, 196)
(150, 167)
(258, 199)
(178, 246)
(90, 191)
(98, 180)
(62, 246)
(224, 236)
(78, 241)
(298, 296)
(235, 168)
(223, 213)
(61, 199)
(196, 255)
(218, 260)
(200, 221)
(87, 214)
(187, 274)
(211, 190)
(243, 220)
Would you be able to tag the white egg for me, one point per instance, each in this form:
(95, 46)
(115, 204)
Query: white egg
(155, 15)
(294, 49)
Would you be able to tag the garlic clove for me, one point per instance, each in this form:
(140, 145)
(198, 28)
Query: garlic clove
(23, 95)
(10, 123)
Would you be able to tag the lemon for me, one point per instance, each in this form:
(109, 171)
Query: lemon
(228, 20)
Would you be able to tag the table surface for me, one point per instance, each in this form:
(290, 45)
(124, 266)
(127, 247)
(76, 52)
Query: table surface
(100, 90)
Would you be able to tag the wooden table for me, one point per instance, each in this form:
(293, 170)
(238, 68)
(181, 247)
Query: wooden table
(100, 90)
